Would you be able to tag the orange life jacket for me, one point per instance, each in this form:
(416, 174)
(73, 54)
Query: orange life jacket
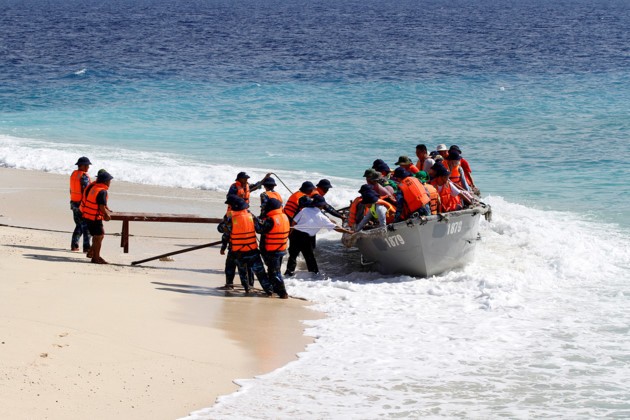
(413, 169)
(455, 176)
(391, 211)
(89, 208)
(449, 203)
(434, 196)
(414, 194)
(242, 191)
(273, 194)
(352, 213)
(276, 239)
(292, 206)
(76, 193)
(243, 236)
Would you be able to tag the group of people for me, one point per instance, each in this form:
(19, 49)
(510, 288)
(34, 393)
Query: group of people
(291, 227)
(439, 182)
(88, 202)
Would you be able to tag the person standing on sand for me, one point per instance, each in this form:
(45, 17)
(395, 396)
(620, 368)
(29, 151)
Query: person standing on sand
(79, 180)
(274, 229)
(308, 222)
(94, 209)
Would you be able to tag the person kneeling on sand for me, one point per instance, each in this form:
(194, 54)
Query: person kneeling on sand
(94, 209)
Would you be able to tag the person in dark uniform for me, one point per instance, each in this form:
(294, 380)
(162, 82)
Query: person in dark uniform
(79, 180)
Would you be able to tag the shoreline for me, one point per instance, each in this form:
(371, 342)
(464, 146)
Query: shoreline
(118, 341)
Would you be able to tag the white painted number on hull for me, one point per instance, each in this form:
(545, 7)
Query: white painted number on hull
(395, 240)
(454, 227)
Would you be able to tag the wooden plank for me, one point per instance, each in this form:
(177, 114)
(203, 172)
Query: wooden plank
(164, 217)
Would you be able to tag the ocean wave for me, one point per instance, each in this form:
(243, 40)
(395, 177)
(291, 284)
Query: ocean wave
(535, 326)
(161, 169)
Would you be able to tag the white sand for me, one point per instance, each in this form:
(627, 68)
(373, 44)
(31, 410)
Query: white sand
(80, 340)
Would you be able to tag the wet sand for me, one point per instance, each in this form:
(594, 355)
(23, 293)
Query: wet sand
(159, 340)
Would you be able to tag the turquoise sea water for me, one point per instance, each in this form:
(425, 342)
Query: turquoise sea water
(537, 95)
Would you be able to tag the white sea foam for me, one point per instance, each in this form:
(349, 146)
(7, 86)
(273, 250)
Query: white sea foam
(153, 168)
(537, 326)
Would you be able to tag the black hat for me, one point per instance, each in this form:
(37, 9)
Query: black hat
(401, 173)
(377, 162)
(369, 197)
(242, 175)
(307, 186)
(239, 204)
(440, 170)
(364, 188)
(103, 176)
(83, 161)
(382, 167)
(318, 201)
(453, 155)
(272, 204)
(270, 182)
(455, 147)
(305, 201)
(324, 183)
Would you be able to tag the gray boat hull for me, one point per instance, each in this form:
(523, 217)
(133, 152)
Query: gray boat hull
(423, 246)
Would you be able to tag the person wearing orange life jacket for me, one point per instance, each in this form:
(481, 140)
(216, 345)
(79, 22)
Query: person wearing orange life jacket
(269, 184)
(243, 226)
(242, 188)
(467, 171)
(457, 176)
(79, 180)
(442, 150)
(412, 196)
(423, 177)
(383, 187)
(357, 208)
(424, 161)
(275, 229)
(451, 197)
(94, 210)
(293, 203)
(405, 162)
(377, 210)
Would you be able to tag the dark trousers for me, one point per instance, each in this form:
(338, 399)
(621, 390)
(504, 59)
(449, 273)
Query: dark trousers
(274, 271)
(251, 261)
(80, 228)
(230, 268)
(301, 242)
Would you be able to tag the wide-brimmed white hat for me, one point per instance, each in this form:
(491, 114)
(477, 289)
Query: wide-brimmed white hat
(441, 147)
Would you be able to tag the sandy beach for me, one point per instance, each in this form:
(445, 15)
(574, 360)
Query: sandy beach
(159, 340)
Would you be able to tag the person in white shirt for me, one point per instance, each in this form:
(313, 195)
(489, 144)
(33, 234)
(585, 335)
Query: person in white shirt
(424, 162)
(307, 223)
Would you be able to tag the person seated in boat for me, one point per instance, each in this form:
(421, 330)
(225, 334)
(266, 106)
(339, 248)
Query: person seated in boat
(412, 197)
(467, 171)
(374, 179)
(451, 197)
(457, 173)
(377, 211)
(442, 150)
(423, 177)
(424, 162)
(405, 162)
(380, 166)
(357, 209)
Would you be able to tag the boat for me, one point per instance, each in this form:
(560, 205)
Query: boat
(422, 246)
